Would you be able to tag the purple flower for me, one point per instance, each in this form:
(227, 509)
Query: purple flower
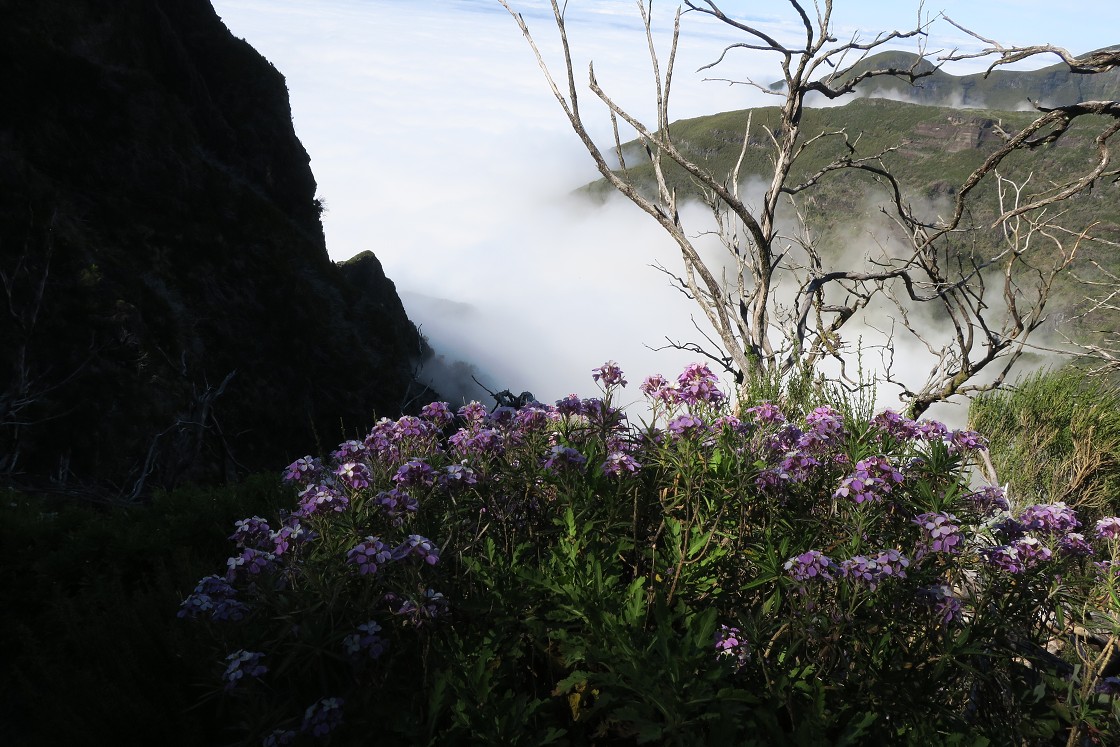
(366, 642)
(1050, 518)
(563, 457)
(1105, 569)
(767, 413)
(532, 418)
(771, 479)
(252, 532)
(319, 498)
(989, 500)
(896, 426)
(729, 643)
(1031, 551)
(825, 428)
(1073, 545)
(783, 440)
(686, 425)
(931, 430)
(243, 664)
(251, 561)
(1108, 527)
(698, 385)
(941, 533)
(892, 563)
(419, 546)
(382, 441)
(885, 564)
(215, 598)
(945, 604)
(415, 472)
(619, 462)
(350, 450)
(303, 470)
(860, 568)
(431, 606)
(283, 537)
(474, 413)
(871, 480)
(415, 430)
(731, 422)
(322, 717)
(1002, 557)
(1109, 686)
(369, 555)
(434, 604)
(396, 503)
(438, 413)
(279, 738)
(482, 442)
(798, 467)
(810, 566)
(960, 441)
(609, 374)
(353, 475)
(458, 476)
(599, 413)
(1016, 557)
(658, 388)
(570, 405)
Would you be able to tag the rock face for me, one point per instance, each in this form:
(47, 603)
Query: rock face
(955, 133)
(168, 308)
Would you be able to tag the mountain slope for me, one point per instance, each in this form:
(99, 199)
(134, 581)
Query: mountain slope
(931, 150)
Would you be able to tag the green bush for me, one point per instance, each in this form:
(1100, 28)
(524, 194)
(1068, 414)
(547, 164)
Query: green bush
(556, 575)
(95, 656)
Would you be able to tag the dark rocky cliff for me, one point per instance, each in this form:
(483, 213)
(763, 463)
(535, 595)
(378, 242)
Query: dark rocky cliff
(168, 309)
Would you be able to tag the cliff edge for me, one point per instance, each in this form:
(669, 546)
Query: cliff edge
(168, 310)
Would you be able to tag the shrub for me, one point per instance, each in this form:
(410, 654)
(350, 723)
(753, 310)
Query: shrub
(1056, 437)
(93, 657)
(728, 573)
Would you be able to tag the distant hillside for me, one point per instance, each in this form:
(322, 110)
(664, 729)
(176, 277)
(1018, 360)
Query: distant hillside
(169, 308)
(1002, 89)
(930, 149)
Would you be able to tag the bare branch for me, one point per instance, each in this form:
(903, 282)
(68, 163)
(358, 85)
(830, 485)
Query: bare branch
(778, 298)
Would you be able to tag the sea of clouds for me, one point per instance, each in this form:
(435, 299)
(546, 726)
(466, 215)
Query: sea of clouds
(436, 144)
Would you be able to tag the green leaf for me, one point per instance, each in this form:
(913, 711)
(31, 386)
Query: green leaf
(635, 601)
(699, 540)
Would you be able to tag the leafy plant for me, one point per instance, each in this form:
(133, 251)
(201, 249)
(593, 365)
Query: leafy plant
(723, 574)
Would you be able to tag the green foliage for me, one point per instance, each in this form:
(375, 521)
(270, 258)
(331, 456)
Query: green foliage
(755, 581)
(88, 606)
(1055, 436)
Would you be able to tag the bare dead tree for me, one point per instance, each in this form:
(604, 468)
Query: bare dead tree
(178, 447)
(31, 383)
(777, 300)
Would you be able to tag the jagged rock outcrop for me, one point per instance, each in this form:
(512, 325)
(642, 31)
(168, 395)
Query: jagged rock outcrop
(168, 308)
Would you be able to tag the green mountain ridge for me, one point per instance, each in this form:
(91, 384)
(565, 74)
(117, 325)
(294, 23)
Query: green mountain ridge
(1001, 89)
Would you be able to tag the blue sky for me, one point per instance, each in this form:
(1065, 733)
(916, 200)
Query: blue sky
(436, 144)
